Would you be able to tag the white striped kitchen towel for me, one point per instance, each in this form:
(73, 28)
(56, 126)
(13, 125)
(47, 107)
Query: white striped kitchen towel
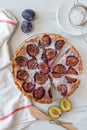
(14, 107)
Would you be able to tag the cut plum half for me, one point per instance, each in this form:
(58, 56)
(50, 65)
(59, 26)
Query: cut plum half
(56, 75)
(40, 78)
(54, 112)
(39, 93)
(32, 50)
(32, 64)
(59, 44)
(46, 40)
(72, 60)
(62, 88)
(28, 86)
(71, 70)
(22, 75)
(70, 79)
(50, 54)
(65, 104)
(44, 68)
(21, 61)
(59, 69)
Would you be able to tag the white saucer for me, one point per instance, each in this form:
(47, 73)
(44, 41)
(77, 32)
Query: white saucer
(62, 18)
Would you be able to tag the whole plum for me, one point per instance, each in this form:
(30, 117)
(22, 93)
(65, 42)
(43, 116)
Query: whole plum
(28, 14)
(26, 26)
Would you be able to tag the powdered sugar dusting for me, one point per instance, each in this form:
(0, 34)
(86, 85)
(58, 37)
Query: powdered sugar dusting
(58, 81)
(31, 73)
(39, 56)
(52, 45)
(27, 56)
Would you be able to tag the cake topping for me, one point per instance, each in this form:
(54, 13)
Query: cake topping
(39, 93)
(32, 64)
(56, 75)
(50, 54)
(71, 80)
(44, 68)
(22, 75)
(46, 40)
(40, 78)
(59, 44)
(21, 61)
(32, 50)
(60, 69)
(62, 89)
(72, 60)
(28, 87)
(71, 71)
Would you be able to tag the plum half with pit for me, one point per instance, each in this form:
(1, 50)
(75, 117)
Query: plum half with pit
(54, 112)
(65, 104)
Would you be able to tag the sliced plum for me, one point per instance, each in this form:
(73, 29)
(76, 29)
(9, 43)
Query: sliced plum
(50, 54)
(72, 60)
(28, 86)
(32, 50)
(39, 93)
(71, 71)
(44, 68)
(56, 75)
(46, 40)
(22, 75)
(40, 78)
(62, 88)
(71, 80)
(59, 44)
(60, 69)
(32, 64)
(21, 61)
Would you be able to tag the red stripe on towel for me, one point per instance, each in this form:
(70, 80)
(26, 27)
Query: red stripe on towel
(9, 22)
(16, 110)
